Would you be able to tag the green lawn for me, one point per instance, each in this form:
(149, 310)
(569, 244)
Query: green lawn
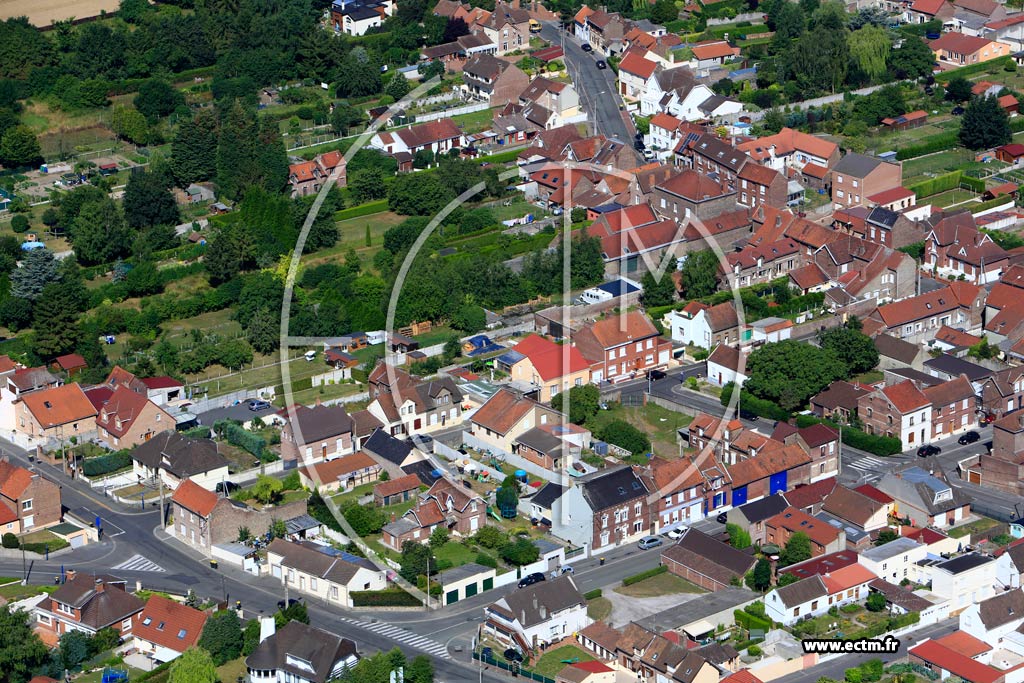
(231, 672)
(476, 121)
(456, 553)
(975, 528)
(660, 424)
(354, 495)
(658, 585)
(552, 662)
(951, 197)
(599, 609)
(45, 536)
(13, 590)
(918, 168)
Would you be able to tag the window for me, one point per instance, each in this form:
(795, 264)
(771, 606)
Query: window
(312, 583)
(636, 510)
(181, 634)
(26, 504)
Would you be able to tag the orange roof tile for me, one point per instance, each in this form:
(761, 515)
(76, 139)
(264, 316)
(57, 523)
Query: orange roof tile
(169, 624)
(13, 479)
(848, 577)
(194, 498)
(59, 405)
(906, 396)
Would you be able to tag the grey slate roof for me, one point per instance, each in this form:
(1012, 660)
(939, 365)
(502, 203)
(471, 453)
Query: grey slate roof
(1002, 609)
(954, 367)
(180, 455)
(917, 488)
(535, 604)
(900, 350)
(964, 563)
(320, 422)
(610, 488)
(387, 447)
(547, 495)
(321, 649)
(802, 591)
(856, 165)
(764, 508)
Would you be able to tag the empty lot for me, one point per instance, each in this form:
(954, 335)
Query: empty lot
(44, 12)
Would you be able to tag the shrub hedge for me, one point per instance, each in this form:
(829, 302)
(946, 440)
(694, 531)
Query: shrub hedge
(105, 464)
(252, 443)
(941, 183)
(991, 66)
(971, 183)
(881, 627)
(362, 210)
(637, 578)
(990, 204)
(385, 598)
(751, 621)
(935, 143)
(756, 405)
(590, 595)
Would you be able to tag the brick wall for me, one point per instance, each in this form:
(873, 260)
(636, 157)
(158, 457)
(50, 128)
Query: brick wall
(227, 517)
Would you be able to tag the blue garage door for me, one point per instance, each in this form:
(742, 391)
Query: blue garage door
(739, 496)
(778, 483)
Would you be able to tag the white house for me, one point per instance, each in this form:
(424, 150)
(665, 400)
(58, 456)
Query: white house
(438, 136)
(540, 614)
(676, 92)
(1009, 565)
(330, 578)
(634, 73)
(663, 134)
(963, 580)
(894, 561)
(992, 619)
(727, 364)
(817, 594)
(698, 324)
(770, 330)
(356, 17)
(298, 653)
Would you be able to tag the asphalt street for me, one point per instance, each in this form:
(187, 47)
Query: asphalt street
(596, 87)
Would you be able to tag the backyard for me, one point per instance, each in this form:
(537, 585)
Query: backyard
(660, 424)
(553, 661)
(659, 585)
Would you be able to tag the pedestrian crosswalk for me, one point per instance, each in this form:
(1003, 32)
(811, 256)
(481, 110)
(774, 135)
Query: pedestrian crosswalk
(138, 563)
(869, 467)
(402, 636)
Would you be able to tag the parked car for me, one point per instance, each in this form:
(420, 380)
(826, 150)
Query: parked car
(655, 375)
(676, 534)
(969, 437)
(564, 569)
(648, 542)
(258, 404)
(747, 415)
(227, 487)
(531, 579)
(513, 655)
(721, 518)
(601, 64)
(925, 451)
(586, 47)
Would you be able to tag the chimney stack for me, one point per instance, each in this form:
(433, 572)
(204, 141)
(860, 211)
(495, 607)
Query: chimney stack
(98, 585)
(267, 627)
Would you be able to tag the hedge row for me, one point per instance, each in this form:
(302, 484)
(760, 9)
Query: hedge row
(930, 145)
(912, 668)
(362, 210)
(758, 406)
(855, 438)
(990, 204)
(385, 598)
(1017, 124)
(972, 183)
(991, 66)
(236, 436)
(881, 627)
(637, 578)
(590, 595)
(105, 464)
(941, 183)
(752, 621)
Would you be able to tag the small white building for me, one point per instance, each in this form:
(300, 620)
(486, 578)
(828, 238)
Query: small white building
(992, 619)
(1009, 565)
(963, 580)
(543, 613)
(330, 578)
(727, 364)
(799, 600)
(894, 561)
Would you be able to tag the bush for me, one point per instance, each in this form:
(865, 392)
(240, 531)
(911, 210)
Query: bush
(486, 560)
(877, 445)
(590, 595)
(755, 608)
(942, 183)
(19, 224)
(935, 143)
(754, 651)
(752, 622)
(853, 676)
(9, 541)
(387, 598)
(105, 464)
(637, 578)
(850, 609)
(756, 405)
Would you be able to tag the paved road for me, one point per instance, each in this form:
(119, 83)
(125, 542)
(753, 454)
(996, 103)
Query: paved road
(596, 87)
(836, 668)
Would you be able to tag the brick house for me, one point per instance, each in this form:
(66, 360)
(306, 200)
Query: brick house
(308, 177)
(824, 537)
(87, 603)
(839, 400)
(705, 561)
(1003, 468)
(29, 500)
(439, 137)
(690, 194)
(758, 185)
(955, 248)
(56, 414)
(791, 148)
(708, 154)
(202, 519)
(901, 411)
(762, 263)
(317, 434)
(504, 417)
(954, 407)
(128, 419)
(916, 319)
(621, 347)
(856, 177)
(680, 499)
(1003, 392)
(508, 27)
(445, 503)
(551, 367)
(552, 445)
(499, 82)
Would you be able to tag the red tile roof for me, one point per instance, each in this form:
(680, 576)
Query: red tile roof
(794, 520)
(666, 121)
(943, 657)
(964, 643)
(409, 482)
(715, 49)
(13, 479)
(930, 7)
(822, 565)
(303, 172)
(551, 360)
(59, 405)
(741, 676)
(847, 577)
(905, 396)
(71, 361)
(333, 470)
(874, 494)
(637, 65)
(891, 195)
(961, 44)
(616, 329)
(161, 382)
(169, 624)
(593, 666)
(810, 494)
(194, 498)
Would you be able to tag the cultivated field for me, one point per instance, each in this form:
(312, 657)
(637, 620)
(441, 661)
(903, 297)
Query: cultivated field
(43, 13)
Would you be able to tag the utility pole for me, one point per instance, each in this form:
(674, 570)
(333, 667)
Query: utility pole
(427, 603)
(163, 514)
(24, 567)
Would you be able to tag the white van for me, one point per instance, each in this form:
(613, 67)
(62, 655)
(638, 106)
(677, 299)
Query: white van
(310, 355)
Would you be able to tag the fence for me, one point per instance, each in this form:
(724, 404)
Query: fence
(454, 111)
(512, 667)
(756, 17)
(331, 377)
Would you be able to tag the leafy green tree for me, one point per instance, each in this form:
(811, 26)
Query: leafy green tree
(55, 322)
(625, 435)
(507, 496)
(237, 150)
(790, 372)
(913, 59)
(958, 89)
(359, 76)
(869, 48)
(424, 158)
(71, 205)
(105, 639)
(439, 536)
(194, 665)
(760, 578)
(222, 637)
(157, 98)
(397, 87)
(294, 612)
(886, 536)
(785, 580)
(19, 223)
(194, 149)
(739, 537)
(519, 552)
(469, 318)
(658, 291)
(343, 117)
(15, 313)
(420, 669)
(278, 529)
(267, 489)
(365, 519)
(143, 280)
(367, 185)
(983, 350)
(876, 602)
(19, 147)
(985, 124)
(797, 549)
(664, 11)
(414, 560)
(21, 650)
(263, 332)
(852, 347)
(490, 537)
(130, 125)
(148, 202)
(223, 258)
(584, 402)
(74, 649)
(418, 194)
(699, 274)
(100, 233)
(250, 637)
(133, 11)
(38, 268)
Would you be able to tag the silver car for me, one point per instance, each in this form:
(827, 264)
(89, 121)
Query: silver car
(649, 542)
